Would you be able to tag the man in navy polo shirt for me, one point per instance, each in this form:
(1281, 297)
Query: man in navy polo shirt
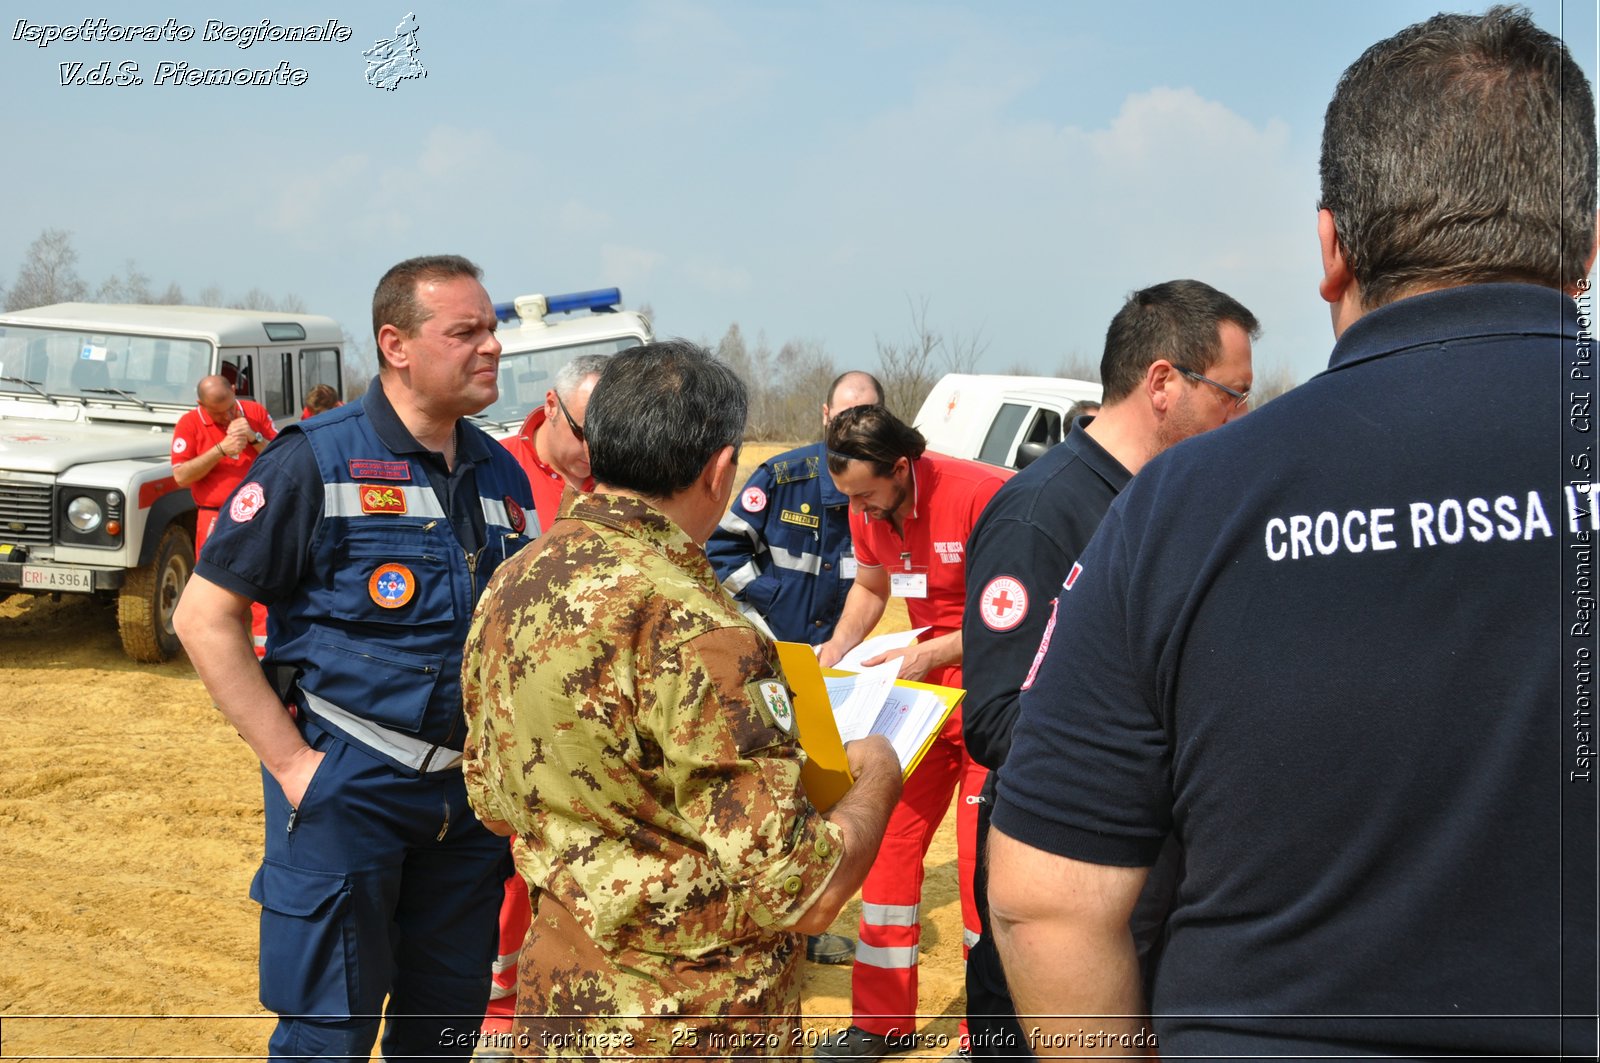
(1176, 363)
(1326, 647)
(369, 532)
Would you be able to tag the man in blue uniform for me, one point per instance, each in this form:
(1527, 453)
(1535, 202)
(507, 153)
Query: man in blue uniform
(369, 533)
(1337, 648)
(783, 549)
(1176, 363)
(783, 552)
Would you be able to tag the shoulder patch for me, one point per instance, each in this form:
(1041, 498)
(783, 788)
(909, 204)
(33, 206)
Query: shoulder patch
(179, 445)
(773, 698)
(514, 513)
(753, 499)
(1003, 604)
(247, 502)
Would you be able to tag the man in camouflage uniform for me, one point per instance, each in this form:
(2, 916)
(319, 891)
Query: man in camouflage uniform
(634, 730)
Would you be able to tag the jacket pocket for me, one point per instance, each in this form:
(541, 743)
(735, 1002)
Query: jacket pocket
(376, 681)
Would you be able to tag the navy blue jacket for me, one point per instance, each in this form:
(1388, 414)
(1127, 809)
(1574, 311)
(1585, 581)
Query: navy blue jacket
(779, 549)
(371, 557)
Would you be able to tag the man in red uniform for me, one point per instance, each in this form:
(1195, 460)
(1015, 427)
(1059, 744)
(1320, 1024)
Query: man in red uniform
(552, 450)
(213, 447)
(550, 446)
(910, 515)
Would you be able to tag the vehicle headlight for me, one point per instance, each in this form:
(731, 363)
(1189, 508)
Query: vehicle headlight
(84, 514)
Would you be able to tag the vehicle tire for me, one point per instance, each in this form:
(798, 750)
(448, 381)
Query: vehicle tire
(149, 597)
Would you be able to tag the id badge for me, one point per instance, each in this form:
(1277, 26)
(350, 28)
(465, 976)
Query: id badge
(908, 584)
(847, 566)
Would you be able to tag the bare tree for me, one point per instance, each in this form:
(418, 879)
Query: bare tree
(906, 368)
(210, 295)
(731, 350)
(48, 273)
(1270, 384)
(133, 286)
(1075, 366)
(803, 371)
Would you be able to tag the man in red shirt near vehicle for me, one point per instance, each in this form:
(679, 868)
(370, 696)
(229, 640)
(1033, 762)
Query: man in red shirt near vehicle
(213, 446)
(910, 515)
(550, 446)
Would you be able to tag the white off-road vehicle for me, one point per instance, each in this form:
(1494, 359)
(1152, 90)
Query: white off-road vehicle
(539, 334)
(1003, 420)
(89, 396)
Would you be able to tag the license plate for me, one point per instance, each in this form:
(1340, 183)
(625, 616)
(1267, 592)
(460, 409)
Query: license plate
(40, 578)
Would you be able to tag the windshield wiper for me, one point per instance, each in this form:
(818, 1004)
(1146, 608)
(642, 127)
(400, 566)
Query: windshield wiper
(31, 385)
(130, 396)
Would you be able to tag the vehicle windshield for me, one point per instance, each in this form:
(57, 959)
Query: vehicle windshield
(525, 376)
(101, 366)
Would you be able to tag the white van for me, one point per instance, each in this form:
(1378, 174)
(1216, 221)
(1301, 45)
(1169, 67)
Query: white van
(1003, 420)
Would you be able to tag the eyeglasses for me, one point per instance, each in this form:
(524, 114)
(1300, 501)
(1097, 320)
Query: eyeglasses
(1239, 398)
(577, 429)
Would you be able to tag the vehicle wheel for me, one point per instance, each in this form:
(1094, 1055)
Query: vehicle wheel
(150, 596)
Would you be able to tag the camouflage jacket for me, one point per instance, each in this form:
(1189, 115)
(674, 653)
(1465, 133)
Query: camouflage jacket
(633, 729)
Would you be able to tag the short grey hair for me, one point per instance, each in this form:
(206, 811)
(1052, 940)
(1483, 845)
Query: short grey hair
(570, 377)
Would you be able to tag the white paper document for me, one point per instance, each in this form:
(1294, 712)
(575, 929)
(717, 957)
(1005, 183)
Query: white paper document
(869, 703)
(895, 640)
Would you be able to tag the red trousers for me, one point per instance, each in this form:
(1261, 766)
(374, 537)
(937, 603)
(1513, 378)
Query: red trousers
(516, 913)
(884, 979)
(204, 521)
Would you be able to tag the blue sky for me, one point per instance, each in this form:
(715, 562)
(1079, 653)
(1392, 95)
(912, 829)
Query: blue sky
(804, 168)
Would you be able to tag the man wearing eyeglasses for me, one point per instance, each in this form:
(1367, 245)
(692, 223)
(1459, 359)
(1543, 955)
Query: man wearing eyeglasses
(1167, 352)
(1342, 650)
(550, 446)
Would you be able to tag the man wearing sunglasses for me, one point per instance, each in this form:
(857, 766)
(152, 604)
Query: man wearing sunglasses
(550, 446)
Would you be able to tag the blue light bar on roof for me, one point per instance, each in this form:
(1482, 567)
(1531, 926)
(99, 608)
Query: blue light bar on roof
(600, 300)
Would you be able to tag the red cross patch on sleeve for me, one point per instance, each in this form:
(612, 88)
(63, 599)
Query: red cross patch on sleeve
(1003, 604)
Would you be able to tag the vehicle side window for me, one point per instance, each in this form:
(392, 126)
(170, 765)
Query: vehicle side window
(319, 365)
(237, 369)
(1046, 428)
(274, 389)
(1002, 434)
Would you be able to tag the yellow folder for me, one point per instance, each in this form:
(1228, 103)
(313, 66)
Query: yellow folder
(826, 773)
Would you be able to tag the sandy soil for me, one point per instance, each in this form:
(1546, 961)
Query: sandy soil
(130, 826)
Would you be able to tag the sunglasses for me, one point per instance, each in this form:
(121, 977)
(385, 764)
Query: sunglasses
(577, 429)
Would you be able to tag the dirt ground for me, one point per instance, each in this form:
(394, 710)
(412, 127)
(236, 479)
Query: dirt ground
(130, 826)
